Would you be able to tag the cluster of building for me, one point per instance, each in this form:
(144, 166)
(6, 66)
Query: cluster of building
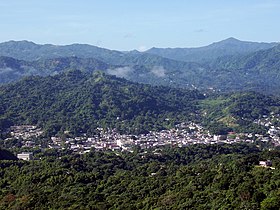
(272, 123)
(182, 135)
(25, 133)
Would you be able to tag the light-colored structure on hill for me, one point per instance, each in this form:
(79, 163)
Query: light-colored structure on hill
(25, 156)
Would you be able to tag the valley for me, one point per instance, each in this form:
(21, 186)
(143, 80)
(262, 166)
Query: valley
(83, 127)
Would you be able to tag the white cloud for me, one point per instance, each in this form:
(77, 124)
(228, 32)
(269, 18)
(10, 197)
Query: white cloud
(142, 48)
(120, 72)
(158, 71)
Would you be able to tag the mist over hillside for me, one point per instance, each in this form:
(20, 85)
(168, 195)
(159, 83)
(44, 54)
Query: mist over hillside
(225, 66)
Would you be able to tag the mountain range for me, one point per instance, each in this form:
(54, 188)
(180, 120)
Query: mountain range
(79, 90)
(26, 50)
(81, 101)
(228, 47)
(228, 65)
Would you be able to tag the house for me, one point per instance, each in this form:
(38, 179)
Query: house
(219, 137)
(25, 156)
(266, 163)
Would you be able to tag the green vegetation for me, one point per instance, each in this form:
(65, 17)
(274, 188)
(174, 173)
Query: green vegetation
(13, 70)
(80, 103)
(237, 112)
(258, 71)
(78, 99)
(196, 177)
(228, 47)
(230, 65)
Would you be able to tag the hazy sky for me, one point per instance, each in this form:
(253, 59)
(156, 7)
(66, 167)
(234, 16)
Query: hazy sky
(139, 24)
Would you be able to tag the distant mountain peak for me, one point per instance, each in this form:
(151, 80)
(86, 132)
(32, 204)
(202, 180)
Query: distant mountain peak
(231, 39)
(22, 42)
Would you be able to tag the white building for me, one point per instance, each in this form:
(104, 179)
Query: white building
(25, 156)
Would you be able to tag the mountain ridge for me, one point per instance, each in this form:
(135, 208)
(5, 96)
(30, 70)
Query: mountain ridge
(230, 46)
(71, 49)
(12, 69)
(226, 69)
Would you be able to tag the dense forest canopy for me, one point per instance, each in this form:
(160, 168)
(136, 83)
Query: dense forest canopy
(196, 177)
(80, 102)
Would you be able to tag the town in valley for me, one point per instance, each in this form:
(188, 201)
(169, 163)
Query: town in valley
(181, 135)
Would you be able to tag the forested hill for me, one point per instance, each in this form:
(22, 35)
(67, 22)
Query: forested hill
(258, 71)
(238, 111)
(257, 61)
(195, 177)
(80, 102)
(228, 47)
(13, 69)
(26, 50)
(229, 65)
(29, 51)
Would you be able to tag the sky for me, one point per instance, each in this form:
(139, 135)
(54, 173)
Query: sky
(139, 24)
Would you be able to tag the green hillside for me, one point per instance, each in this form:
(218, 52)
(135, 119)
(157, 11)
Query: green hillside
(205, 54)
(237, 111)
(13, 70)
(229, 65)
(195, 177)
(80, 102)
